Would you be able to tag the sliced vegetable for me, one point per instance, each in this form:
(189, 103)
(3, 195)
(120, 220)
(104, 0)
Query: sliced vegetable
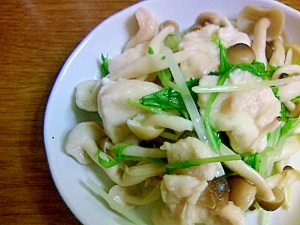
(104, 65)
(187, 98)
(171, 167)
(113, 204)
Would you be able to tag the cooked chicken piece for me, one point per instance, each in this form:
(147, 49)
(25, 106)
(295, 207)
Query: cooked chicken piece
(208, 57)
(178, 192)
(114, 109)
(181, 194)
(191, 148)
(174, 188)
(229, 215)
(244, 115)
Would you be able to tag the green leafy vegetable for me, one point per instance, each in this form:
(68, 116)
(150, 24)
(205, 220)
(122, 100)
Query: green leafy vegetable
(252, 161)
(150, 51)
(169, 98)
(107, 163)
(166, 99)
(171, 167)
(148, 108)
(172, 41)
(104, 65)
(120, 157)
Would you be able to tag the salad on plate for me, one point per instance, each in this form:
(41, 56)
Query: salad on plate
(203, 120)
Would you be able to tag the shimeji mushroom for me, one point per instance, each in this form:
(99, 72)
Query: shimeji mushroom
(209, 18)
(248, 173)
(264, 24)
(168, 27)
(204, 19)
(135, 195)
(150, 126)
(241, 192)
(283, 179)
(290, 147)
(279, 182)
(83, 140)
(278, 56)
(147, 28)
(143, 132)
(84, 136)
(240, 53)
(86, 95)
(286, 69)
(273, 204)
(295, 49)
(149, 64)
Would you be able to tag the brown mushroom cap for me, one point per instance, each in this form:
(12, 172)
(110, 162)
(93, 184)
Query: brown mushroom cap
(272, 205)
(250, 14)
(215, 194)
(208, 18)
(194, 27)
(241, 193)
(240, 53)
(172, 23)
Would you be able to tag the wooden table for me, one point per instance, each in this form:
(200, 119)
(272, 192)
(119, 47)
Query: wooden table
(35, 38)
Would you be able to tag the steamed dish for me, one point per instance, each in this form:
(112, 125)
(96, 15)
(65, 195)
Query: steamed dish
(203, 119)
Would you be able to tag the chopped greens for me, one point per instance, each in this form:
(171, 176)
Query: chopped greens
(104, 65)
(171, 167)
(191, 107)
(172, 41)
(170, 98)
(108, 162)
(166, 99)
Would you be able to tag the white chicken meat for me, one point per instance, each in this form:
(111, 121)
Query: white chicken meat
(207, 58)
(243, 115)
(191, 148)
(182, 190)
(114, 109)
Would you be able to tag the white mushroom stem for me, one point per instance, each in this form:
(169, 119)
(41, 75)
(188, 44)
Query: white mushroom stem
(289, 57)
(241, 168)
(130, 175)
(147, 28)
(86, 95)
(290, 147)
(260, 39)
(288, 69)
(283, 179)
(137, 151)
(140, 200)
(83, 136)
(289, 91)
(157, 42)
(291, 106)
(176, 123)
(226, 22)
(267, 129)
(126, 197)
(278, 57)
(149, 64)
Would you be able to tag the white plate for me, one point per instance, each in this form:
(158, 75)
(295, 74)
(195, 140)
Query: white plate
(62, 115)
